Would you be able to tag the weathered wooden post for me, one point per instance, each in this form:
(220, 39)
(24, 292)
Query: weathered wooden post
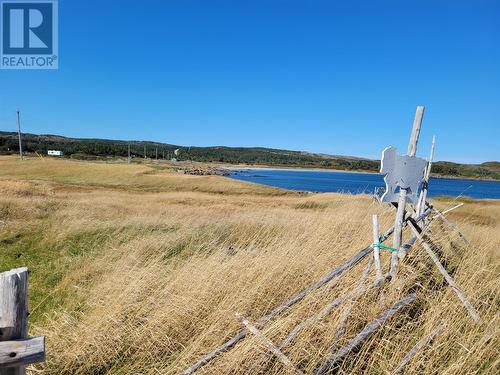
(425, 186)
(16, 349)
(402, 172)
(376, 250)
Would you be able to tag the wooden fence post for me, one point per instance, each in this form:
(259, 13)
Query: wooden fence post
(16, 349)
(398, 224)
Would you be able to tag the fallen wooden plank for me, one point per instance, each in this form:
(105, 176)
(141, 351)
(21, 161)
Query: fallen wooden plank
(369, 329)
(269, 344)
(22, 352)
(472, 312)
(418, 346)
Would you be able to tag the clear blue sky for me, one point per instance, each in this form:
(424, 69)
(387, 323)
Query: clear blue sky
(340, 77)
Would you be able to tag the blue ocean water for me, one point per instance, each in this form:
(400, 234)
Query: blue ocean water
(360, 183)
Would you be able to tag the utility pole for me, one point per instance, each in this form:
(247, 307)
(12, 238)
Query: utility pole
(144, 152)
(19, 135)
(129, 153)
(156, 153)
(163, 154)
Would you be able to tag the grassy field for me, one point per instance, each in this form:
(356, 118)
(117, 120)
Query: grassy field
(138, 269)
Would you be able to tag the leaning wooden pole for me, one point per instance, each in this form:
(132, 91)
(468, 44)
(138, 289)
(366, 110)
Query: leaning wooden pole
(13, 310)
(269, 344)
(418, 346)
(398, 224)
(454, 286)
(369, 329)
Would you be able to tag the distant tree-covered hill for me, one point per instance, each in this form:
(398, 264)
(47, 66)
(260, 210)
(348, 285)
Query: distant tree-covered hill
(96, 148)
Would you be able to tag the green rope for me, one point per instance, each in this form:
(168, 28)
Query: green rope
(383, 247)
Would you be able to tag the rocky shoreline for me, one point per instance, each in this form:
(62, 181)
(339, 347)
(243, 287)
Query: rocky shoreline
(207, 171)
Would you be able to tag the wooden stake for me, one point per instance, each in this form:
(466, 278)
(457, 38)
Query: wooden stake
(418, 346)
(269, 345)
(398, 233)
(472, 312)
(398, 224)
(423, 194)
(376, 250)
(333, 359)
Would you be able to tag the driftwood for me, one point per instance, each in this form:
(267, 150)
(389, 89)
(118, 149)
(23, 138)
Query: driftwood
(229, 344)
(369, 329)
(269, 344)
(472, 312)
(418, 346)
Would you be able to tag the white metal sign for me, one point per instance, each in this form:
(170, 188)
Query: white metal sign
(403, 171)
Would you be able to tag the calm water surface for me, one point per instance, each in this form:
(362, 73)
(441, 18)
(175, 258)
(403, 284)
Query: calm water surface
(359, 183)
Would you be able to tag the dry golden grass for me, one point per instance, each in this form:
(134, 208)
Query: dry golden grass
(140, 270)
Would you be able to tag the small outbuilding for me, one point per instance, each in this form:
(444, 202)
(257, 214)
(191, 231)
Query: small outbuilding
(55, 153)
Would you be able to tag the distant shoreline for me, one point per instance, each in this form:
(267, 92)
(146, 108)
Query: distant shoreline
(270, 168)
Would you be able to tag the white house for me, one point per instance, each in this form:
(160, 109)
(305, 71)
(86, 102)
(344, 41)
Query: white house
(55, 153)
